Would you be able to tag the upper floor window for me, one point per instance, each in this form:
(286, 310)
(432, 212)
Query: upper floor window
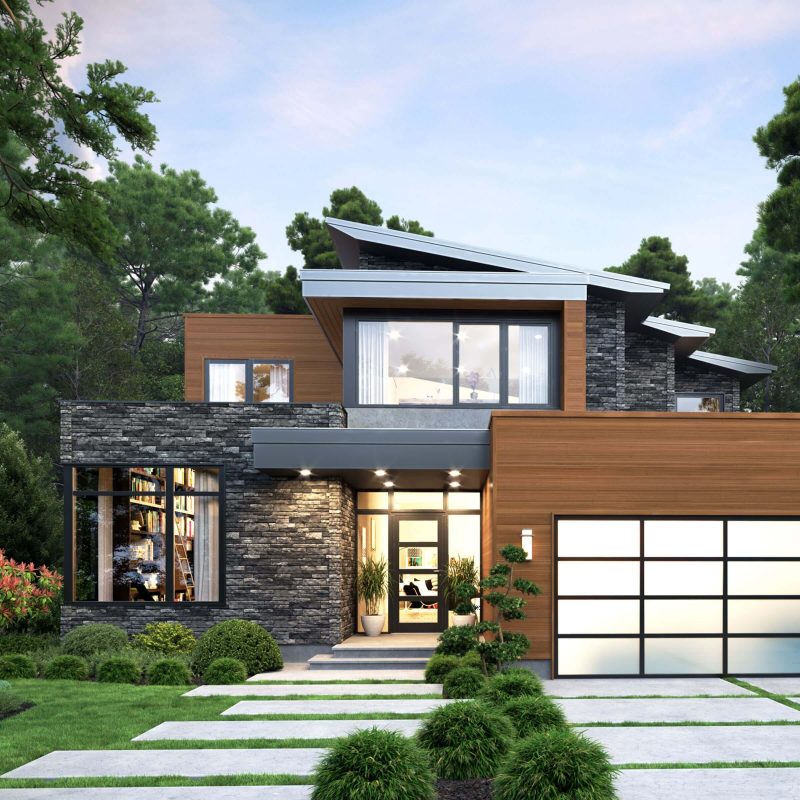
(249, 381)
(446, 363)
(700, 402)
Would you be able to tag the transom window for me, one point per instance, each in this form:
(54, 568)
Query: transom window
(446, 363)
(249, 381)
(699, 402)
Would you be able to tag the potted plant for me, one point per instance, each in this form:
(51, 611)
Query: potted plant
(462, 579)
(371, 588)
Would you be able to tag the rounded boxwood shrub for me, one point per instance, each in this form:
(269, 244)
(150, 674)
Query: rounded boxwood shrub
(457, 641)
(66, 668)
(463, 683)
(438, 666)
(466, 740)
(237, 638)
(168, 672)
(97, 637)
(556, 763)
(225, 670)
(534, 713)
(166, 638)
(119, 669)
(512, 683)
(374, 764)
(17, 665)
(473, 659)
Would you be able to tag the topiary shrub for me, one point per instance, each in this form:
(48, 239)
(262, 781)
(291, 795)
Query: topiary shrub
(225, 670)
(438, 666)
(531, 714)
(119, 669)
(374, 764)
(237, 638)
(168, 672)
(66, 668)
(510, 684)
(166, 638)
(466, 740)
(473, 659)
(17, 665)
(462, 683)
(556, 763)
(457, 641)
(97, 637)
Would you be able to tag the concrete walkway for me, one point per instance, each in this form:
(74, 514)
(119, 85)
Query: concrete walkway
(642, 687)
(786, 686)
(323, 707)
(689, 709)
(302, 792)
(341, 689)
(273, 729)
(708, 784)
(301, 672)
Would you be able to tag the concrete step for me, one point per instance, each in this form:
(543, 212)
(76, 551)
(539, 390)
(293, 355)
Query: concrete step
(328, 661)
(365, 651)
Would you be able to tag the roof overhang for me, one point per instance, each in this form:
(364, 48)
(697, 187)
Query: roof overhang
(748, 372)
(686, 338)
(414, 459)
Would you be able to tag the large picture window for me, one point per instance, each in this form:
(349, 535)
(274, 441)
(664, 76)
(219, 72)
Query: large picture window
(144, 534)
(470, 362)
(249, 381)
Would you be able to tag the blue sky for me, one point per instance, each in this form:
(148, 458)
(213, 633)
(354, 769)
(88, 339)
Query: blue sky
(565, 130)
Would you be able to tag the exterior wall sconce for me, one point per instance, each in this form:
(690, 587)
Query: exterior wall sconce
(526, 542)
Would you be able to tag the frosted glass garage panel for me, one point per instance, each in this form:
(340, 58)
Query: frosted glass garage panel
(682, 656)
(683, 577)
(683, 616)
(683, 538)
(598, 616)
(598, 577)
(764, 616)
(591, 538)
(763, 538)
(763, 577)
(763, 655)
(598, 657)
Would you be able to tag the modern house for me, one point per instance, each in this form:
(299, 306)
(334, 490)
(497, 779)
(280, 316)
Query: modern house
(441, 401)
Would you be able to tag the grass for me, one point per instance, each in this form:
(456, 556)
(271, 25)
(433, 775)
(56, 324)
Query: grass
(687, 724)
(715, 765)
(778, 698)
(170, 780)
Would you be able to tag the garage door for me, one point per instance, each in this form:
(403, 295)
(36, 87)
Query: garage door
(667, 596)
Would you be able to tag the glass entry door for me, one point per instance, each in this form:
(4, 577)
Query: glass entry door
(417, 572)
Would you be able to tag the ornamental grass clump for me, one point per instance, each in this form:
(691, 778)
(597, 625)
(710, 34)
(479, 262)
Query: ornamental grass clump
(168, 672)
(556, 763)
(439, 666)
(374, 765)
(241, 639)
(510, 684)
(466, 740)
(532, 714)
(119, 669)
(17, 665)
(165, 638)
(96, 637)
(66, 668)
(225, 670)
(463, 683)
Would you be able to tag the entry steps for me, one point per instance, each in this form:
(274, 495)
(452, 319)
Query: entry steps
(389, 652)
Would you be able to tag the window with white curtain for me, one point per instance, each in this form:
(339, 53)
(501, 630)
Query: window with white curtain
(445, 363)
(249, 381)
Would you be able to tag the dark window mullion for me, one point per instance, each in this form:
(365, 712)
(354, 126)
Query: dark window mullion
(503, 363)
(455, 330)
(169, 538)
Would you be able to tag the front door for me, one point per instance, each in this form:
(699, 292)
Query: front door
(417, 572)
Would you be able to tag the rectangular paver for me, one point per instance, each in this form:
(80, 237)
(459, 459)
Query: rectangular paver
(699, 744)
(186, 763)
(346, 689)
(679, 709)
(640, 687)
(273, 729)
(317, 707)
(301, 672)
(302, 792)
(708, 784)
(786, 686)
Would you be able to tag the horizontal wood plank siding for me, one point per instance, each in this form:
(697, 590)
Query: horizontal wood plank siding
(546, 464)
(317, 371)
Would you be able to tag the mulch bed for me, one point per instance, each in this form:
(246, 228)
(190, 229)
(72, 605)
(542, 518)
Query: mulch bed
(480, 789)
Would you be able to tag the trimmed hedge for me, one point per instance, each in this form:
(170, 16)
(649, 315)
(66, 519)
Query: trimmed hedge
(169, 672)
(225, 670)
(17, 665)
(463, 683)
(438, 666)
(97, 637)
(119, 669)
(241, 639)
(510, 684)
(66, 668)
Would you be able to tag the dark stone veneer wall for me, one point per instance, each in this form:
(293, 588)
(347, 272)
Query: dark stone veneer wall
(693, 377)
(605, 354)
(290, 543)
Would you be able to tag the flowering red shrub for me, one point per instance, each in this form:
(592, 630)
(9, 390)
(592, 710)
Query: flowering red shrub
(26, 592)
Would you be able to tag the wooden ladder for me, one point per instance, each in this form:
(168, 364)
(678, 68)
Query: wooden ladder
(184, 565)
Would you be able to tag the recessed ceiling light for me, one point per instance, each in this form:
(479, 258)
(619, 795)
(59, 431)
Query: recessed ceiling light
(388, 484)
(454, 473)
(305, 472)
(380, 472)
(454, 484)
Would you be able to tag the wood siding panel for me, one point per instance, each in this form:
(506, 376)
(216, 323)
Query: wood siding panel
(546, 464)
(317, 371)
(573, 368)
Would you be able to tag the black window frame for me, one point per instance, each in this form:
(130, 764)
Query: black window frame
(719, 395)
(550, 320)
(70, 493)
(248, 373)
(642, 596)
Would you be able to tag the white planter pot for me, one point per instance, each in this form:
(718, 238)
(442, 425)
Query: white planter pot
(372, 624)
(463, 620)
